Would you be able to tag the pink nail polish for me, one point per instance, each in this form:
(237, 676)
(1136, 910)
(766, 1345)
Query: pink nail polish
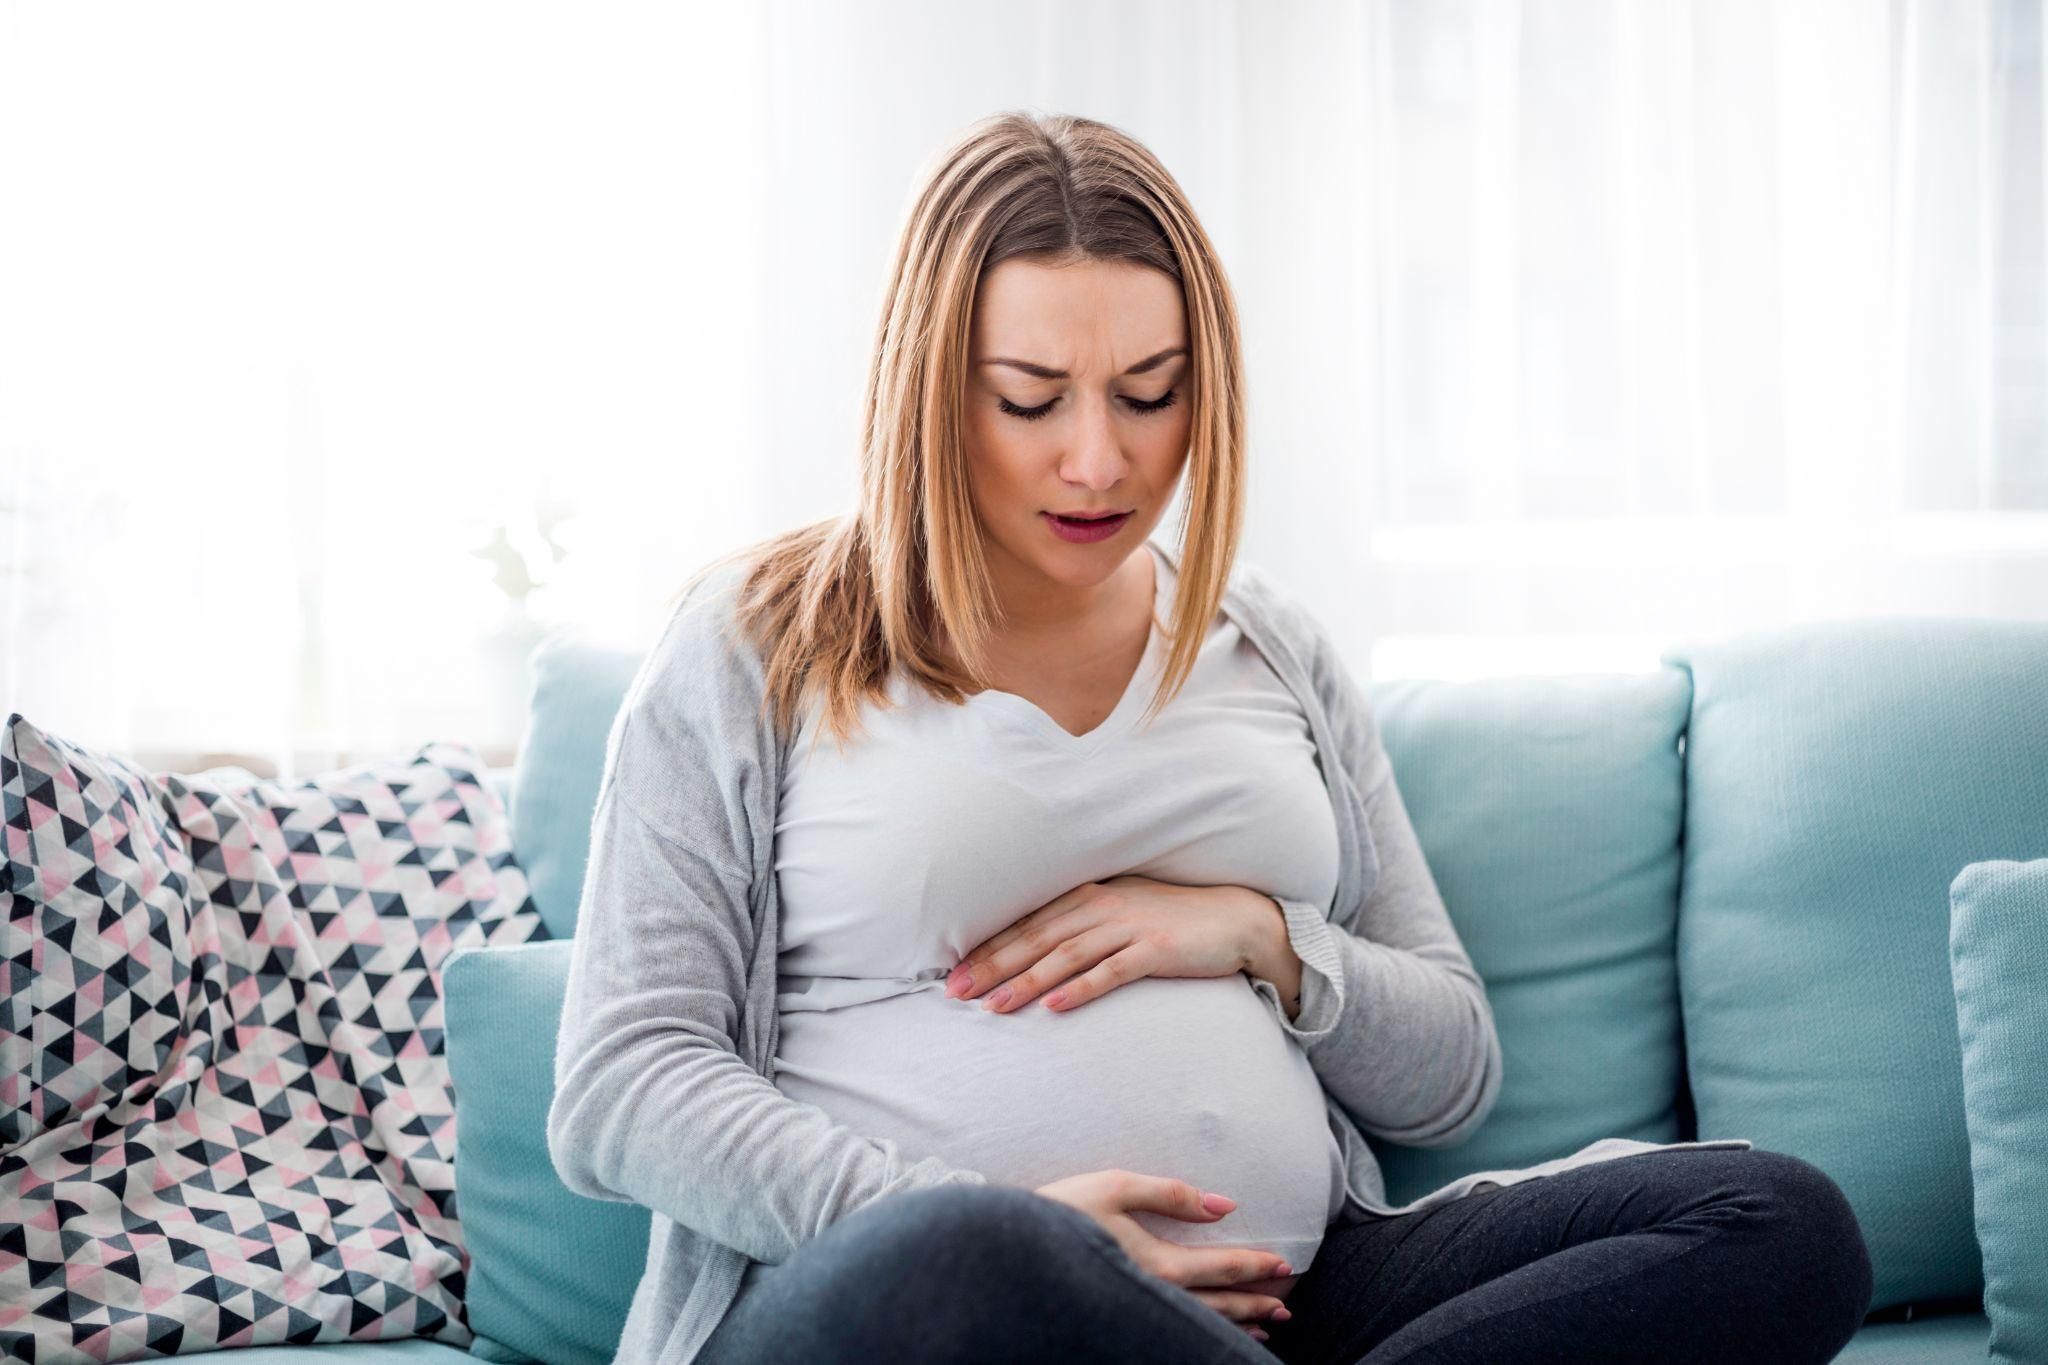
(999, 999)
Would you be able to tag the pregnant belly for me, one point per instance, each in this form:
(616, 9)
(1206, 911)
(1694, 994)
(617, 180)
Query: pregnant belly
(1189, 1078)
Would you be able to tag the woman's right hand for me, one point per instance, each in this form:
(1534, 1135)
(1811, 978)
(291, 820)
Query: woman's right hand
(1261, 1278)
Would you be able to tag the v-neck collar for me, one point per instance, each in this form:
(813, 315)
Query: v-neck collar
(1135, 694)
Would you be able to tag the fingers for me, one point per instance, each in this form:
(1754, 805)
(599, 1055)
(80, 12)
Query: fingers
(992, 961)
(1118, 969)
(1174, 1198)
(1205, 1267)
(1241, 1307)
(1187, 1202)
(1064, 960)
(1280, 1286)
(1197, 1269)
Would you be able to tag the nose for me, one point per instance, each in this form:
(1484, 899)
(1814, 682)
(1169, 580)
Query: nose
(1095, 459)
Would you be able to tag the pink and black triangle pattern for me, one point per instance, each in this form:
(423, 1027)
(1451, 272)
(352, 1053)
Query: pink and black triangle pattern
(225, 1112)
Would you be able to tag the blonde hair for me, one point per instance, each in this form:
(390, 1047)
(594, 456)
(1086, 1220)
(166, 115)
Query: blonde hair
(837, 604)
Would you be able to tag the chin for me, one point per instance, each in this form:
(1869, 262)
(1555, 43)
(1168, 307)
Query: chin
(1081, 566)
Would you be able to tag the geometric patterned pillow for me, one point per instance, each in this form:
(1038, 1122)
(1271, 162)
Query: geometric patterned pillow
(225, 1112)
(97, 883)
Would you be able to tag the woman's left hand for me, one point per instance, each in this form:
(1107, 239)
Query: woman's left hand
(1112, 933)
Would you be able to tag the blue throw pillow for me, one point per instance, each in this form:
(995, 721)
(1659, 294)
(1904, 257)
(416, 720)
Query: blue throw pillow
(1998, 952)
(551, 1274)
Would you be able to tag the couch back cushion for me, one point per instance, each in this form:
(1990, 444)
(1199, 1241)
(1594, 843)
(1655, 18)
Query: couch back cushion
(1549, 810)
(1998, 955)
(578, 686)
(551, 1273)
(1838, 776)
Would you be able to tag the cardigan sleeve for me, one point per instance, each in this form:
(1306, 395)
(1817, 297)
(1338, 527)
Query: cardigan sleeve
(1394, 1018)
(653, 1103)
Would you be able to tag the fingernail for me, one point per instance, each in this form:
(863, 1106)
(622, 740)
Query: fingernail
(957, 979)
(998, 1000)
(1280, 1314)
(1218, 1203)
(1285, 1269)
(1261, 1336)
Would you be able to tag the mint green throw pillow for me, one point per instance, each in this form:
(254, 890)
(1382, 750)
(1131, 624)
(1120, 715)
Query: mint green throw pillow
(1838, 773)
(551, 1274)
(1998, 952)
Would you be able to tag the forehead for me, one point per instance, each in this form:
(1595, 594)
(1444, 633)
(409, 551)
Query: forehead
(1089, 315)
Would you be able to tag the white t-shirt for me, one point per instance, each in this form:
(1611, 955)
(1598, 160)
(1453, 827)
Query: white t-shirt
(942, 824)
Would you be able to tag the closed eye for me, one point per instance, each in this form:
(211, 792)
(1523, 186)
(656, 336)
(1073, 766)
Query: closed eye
(1159, 404)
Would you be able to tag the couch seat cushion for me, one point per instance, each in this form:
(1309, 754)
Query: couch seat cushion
(551, 1274)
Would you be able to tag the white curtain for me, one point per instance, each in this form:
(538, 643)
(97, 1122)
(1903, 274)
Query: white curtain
(343, 351)
(1694, 318)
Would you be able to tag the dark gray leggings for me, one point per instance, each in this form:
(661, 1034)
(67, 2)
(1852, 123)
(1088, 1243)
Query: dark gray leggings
(1703, 1254)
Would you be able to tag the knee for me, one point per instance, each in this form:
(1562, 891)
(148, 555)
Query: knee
(1815, 1237)
(1806, 1198)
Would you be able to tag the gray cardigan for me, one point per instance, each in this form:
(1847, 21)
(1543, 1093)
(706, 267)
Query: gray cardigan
(663, 1068)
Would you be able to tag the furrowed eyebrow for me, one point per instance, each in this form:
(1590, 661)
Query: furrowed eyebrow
(1152, 362)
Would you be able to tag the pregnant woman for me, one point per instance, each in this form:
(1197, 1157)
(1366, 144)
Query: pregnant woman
(1002, 931)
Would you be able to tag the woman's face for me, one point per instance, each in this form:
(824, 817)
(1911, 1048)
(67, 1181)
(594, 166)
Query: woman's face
(1078, 401)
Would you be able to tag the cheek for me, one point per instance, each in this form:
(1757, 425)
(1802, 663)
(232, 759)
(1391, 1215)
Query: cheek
(1167, 449)
(997, 460)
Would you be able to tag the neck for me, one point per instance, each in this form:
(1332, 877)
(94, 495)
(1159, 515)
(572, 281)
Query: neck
(1035, 608)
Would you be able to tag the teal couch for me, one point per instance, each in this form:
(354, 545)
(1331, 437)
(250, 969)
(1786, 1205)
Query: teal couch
(1708, 900)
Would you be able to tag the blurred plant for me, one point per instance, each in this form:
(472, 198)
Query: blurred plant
(523, 552)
